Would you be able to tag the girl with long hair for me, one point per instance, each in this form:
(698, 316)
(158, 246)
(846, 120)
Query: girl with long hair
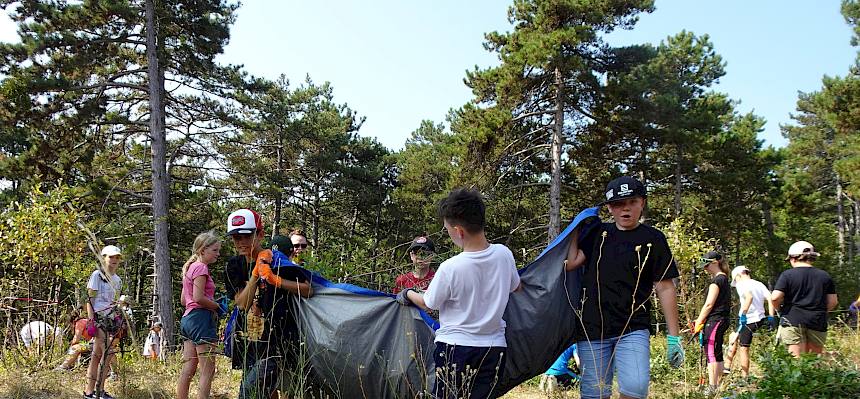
(713, 320)
(199, 325)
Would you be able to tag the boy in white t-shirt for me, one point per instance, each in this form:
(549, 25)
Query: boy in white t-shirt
(751, 317)
(470, 291)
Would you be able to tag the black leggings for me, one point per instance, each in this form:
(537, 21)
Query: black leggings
(714, 333)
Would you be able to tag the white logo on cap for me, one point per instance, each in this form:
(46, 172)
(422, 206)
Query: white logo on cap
(624, 190)
(421, 240)
(609, 194)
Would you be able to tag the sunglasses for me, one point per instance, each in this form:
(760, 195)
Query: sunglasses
(709, 260)
(300, 246)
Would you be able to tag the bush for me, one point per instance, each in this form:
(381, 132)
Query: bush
(808, 377)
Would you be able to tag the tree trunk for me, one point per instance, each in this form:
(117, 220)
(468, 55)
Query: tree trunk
(678, 159)
(279, 195)
(557, 143)
(840, 221)
(315, 211)
(852, 233)
(160, 183)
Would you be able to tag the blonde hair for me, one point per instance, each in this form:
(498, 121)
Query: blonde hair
(202, 241)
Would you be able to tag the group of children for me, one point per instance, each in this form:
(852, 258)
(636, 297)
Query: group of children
(803, 295)
(621, 264)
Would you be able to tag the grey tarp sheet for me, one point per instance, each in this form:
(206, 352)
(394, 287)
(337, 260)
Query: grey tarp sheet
(362, 344)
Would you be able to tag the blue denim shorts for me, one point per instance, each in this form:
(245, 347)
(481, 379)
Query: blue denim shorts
(627, 356)
(200, 326)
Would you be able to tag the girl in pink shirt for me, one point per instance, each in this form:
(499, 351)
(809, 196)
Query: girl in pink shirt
(199, 325)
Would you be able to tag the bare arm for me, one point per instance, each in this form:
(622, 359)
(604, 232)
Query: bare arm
(91, 313)
(832, 301)
(417, 299)
(575, 256)
(713, 292)
(244, 297)
(776, 298)
(669, 303)
(771, 306)
(199, 296)
(746, 302)
(182, 294)
(294, 287)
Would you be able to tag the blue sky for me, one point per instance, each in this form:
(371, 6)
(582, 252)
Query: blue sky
(399, 62)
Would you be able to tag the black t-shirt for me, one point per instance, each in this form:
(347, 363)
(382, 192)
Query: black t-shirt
(723, 304)
(805, 303)
(280, 326)
(627, 264)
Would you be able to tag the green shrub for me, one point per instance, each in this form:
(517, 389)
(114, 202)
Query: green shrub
(810, 376)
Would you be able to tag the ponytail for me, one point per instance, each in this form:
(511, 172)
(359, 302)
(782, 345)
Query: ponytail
(191, 259)
(724, 266)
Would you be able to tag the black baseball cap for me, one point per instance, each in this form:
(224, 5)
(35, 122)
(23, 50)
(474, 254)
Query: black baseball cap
(422, 242)
(282, 243)
(709, 257)
(623, 188)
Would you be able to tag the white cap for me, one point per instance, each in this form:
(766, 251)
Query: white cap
(111, 250)
(802, 248)
(737, 271)
(243, 221)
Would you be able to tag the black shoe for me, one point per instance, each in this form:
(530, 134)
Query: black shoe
(91, 396)
(106, 395)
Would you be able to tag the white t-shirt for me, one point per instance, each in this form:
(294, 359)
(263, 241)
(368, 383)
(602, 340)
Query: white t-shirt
(106, 292)
(153, 338)
(471, 293)
(759, 293)
(37, 332)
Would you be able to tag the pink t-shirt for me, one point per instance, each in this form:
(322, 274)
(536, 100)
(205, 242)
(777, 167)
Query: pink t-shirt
(196, 269)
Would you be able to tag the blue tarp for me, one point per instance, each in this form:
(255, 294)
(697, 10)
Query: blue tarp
(362, 344)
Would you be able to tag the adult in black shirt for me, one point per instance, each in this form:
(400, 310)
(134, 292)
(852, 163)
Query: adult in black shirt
(266, 332)
(806, 294)
(713, 320)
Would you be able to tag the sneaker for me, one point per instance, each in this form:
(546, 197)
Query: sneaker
(91, 396)
(727, 371)
(106, 395)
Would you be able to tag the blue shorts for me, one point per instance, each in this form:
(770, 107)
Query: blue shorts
(627, 355)
(200, 326)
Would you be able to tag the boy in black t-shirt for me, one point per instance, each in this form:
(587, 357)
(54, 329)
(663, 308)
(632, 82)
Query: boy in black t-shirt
(624, 262)
(806, 294)
(266, 330)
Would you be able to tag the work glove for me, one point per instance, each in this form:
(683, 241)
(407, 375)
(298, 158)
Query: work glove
(402, 298)
(698, 328)
(742, 321)
(674, 351)
(772, 322)
(223, 303)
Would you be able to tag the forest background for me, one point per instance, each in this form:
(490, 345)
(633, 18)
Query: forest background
(115, 118)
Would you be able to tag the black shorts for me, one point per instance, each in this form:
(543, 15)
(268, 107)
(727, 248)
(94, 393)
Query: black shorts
(452, 377)
(745, 336)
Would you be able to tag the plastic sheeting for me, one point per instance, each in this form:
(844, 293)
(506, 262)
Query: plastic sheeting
(362, 344)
